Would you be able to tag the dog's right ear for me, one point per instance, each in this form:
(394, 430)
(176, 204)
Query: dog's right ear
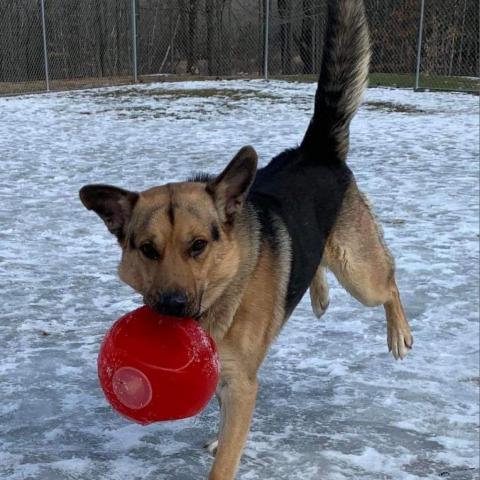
(113, 205)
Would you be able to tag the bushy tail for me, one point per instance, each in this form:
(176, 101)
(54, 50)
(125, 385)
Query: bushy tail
(343, 79)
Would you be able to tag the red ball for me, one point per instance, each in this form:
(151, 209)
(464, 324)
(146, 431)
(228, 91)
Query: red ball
(154, 367)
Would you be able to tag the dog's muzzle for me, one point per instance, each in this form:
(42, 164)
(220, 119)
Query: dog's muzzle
(173, 303)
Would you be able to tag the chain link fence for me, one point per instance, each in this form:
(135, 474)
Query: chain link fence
(21, 47)
(202, 38)
(59, 44)
(88, 41)
(449, 46)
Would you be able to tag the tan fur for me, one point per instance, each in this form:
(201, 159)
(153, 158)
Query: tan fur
(256, 322)
(319, 292)
(257, 319)
(219, 314)
(356, 253)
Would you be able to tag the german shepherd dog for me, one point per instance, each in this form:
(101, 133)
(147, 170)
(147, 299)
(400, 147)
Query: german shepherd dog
(238, 251)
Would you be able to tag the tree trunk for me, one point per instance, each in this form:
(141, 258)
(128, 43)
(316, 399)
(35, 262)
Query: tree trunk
(305, 43)
(100, 38)
(284, 10)
(209, 13)
(192, 29)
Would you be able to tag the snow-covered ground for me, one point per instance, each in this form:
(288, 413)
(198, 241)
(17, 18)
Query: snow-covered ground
(333, 403)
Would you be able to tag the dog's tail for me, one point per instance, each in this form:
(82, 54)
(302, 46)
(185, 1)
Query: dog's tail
(343, 79)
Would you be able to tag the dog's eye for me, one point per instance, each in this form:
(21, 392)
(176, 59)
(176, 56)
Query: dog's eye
(149, 251)
(198, 246)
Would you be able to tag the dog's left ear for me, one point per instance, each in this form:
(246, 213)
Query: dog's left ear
(230, 188)
(113, 205)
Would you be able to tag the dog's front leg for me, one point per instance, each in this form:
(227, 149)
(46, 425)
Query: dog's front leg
(238, 393)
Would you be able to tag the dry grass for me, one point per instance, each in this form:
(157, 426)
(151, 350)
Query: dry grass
(471, 85)
(16, 88)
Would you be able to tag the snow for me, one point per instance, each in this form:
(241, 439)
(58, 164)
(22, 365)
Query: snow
(333, 403)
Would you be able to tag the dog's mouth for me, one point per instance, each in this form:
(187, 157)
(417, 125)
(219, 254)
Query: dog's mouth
(173, 305)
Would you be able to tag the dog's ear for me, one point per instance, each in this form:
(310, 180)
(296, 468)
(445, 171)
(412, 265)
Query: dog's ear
(113, 205)
(230, 188)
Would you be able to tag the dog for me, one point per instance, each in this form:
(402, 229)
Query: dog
(237, 251)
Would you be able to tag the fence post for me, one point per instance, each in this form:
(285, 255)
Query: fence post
(265, 53)
(45, 51)
(419, 50)
(134, 40)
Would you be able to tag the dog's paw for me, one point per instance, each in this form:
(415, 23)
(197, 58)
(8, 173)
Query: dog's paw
(319, 293)
(319, 308)
(211, 447)
(399, 340)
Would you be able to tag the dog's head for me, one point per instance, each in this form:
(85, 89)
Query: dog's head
(178, 244)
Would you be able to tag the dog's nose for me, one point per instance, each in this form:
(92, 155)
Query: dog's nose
(172, 303)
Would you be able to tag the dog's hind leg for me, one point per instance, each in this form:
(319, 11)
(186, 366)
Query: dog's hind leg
(356, 254)
(319, 297)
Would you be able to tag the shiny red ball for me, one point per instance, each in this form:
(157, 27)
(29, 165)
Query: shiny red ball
(153, 367)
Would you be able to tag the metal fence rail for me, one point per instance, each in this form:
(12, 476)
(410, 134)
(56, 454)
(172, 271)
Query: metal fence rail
(58, 45)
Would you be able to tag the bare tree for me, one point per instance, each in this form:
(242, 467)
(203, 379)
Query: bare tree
(305, 40)
(285, 12)
(192, 6)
